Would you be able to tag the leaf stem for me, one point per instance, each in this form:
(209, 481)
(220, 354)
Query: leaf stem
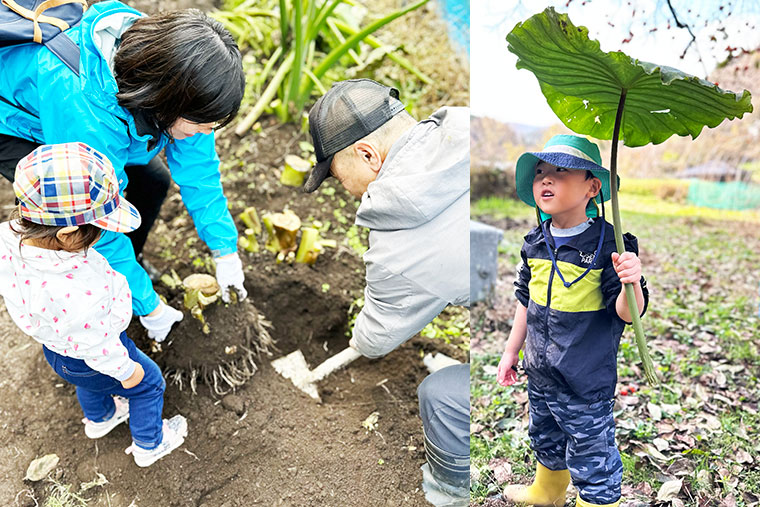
(641, 342)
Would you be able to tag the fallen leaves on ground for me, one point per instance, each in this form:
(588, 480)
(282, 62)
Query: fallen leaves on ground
(691, 441)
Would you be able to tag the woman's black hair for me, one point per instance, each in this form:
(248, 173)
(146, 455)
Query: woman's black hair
(179, 64)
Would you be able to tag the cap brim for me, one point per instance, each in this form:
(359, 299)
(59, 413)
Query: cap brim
(526, 164)
(125, 218)
(319, 174)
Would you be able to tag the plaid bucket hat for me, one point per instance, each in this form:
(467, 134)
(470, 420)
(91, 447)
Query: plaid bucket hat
(349, 111)
(72, 184)
(570, 152)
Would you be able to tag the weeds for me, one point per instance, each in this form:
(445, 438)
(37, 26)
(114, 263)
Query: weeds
(61, 495)
(452, 326)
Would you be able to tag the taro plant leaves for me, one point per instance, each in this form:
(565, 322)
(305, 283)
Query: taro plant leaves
(583, 84)
(312, 39)
(609, 95)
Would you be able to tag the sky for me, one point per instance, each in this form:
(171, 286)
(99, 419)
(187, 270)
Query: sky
(500, 91)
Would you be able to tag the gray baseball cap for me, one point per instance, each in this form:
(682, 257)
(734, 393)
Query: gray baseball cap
(349, 111)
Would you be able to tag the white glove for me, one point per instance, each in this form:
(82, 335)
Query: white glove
(159, 325)
(229, 273)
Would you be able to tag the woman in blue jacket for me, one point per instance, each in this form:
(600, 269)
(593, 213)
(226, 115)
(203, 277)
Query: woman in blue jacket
(145, 84)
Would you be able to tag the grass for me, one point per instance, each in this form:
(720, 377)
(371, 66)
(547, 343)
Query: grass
(494, 408)
(702, 326)
(634, 198)
(501, 208)
(61, 495)
(452, 326)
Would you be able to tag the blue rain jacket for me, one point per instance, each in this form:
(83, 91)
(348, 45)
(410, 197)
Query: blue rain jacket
(573, 333)
(53, 105)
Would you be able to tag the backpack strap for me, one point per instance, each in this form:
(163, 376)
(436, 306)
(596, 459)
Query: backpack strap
(37, 16)
(60, 44)
(66, 49)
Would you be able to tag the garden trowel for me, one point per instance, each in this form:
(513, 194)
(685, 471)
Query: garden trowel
(294, 367)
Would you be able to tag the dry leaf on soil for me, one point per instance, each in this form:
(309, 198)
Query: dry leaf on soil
(669, 490)
(40, 467)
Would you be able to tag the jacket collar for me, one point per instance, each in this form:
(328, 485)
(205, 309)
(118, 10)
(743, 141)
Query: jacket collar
(587, 241)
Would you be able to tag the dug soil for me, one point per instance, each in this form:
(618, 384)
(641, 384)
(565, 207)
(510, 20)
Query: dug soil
(266, 443)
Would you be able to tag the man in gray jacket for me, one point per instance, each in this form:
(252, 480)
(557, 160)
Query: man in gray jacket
(414, 183)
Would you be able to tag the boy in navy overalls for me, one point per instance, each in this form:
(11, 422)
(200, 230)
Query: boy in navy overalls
(572, 309)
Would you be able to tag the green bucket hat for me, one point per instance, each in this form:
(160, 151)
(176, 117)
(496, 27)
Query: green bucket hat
(570, 152)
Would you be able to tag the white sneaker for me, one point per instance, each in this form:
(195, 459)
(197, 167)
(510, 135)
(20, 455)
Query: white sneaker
(101, 429)
(175, 431)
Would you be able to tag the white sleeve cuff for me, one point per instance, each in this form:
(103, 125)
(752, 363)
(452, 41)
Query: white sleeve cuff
(127, 372)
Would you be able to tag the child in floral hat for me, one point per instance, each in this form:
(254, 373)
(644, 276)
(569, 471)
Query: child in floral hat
(69, 299)
(572, 310)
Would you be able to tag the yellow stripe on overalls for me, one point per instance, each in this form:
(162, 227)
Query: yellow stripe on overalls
(585, 295)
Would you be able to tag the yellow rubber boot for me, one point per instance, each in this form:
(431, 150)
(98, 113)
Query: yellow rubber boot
(548, 489)
(580, 502)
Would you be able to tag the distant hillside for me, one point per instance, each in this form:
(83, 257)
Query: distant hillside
(494, 145)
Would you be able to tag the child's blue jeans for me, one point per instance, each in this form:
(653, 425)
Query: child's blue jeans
(567, 432)
(95, 390)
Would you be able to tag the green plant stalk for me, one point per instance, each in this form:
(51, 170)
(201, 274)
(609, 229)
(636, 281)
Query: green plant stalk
(309, 249)
(236, 20)
(251, 219)
(337, 53)
(252, 243)
(262, 77)
(247, 4)
(321, 18)
(249, 243)
(266, 97)
(310, 54)
(398, 59)
(238, 12)
(280, 107)
(272, 244)
(630, 295)
(191, 298)
(257, 34)
(295, 72)
(197, 312)
(283, 21)
(320, 87)
(341, 40)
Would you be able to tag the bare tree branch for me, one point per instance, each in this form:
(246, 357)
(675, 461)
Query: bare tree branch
(693, 40)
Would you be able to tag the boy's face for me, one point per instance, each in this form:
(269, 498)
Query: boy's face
(563, 193)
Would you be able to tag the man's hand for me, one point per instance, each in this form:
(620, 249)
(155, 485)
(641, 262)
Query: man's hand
(627, 266)
(160, 321)
(507, 373)
(229, 273)
(135, 378)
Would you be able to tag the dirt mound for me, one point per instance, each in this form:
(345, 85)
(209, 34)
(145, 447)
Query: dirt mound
(223, 359)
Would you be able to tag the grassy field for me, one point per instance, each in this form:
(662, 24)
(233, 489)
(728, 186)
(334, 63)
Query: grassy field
(687, 442)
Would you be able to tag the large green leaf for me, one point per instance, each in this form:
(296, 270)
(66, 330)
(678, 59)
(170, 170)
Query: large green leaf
(583, 84)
